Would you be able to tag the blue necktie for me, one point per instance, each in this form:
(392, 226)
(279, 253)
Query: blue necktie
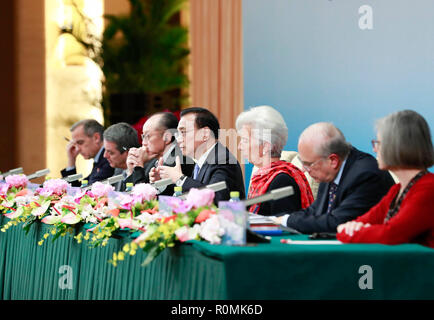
(332, 196)
(196, 171)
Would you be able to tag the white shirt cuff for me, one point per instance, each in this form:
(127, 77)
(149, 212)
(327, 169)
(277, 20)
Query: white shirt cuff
(284, 220)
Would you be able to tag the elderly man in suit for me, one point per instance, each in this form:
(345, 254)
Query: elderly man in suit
(197, 136)
(87, 140)
(118, 139)
(158, 148)
(350, 180)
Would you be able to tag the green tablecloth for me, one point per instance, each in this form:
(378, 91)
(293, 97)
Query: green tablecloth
(199, 270)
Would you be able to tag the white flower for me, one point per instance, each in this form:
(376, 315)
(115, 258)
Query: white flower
(211, 230)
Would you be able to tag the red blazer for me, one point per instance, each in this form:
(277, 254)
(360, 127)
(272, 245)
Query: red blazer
(414, 222)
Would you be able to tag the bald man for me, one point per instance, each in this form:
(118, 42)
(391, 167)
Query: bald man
(350, 180)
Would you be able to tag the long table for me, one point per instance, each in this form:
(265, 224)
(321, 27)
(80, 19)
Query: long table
(66, 270)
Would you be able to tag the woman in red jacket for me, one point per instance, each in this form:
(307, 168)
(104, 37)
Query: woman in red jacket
(406, 213)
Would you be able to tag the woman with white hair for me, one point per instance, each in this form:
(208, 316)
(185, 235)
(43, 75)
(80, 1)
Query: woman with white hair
(406, 213)
(263, 134)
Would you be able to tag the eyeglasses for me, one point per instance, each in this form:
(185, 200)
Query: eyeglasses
(309, 165)
(375, 143)
(146, 137)
(179, 134)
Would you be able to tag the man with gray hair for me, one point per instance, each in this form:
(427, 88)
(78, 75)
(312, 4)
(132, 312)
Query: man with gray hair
(350, 180)
(87, 141)
(118, 139)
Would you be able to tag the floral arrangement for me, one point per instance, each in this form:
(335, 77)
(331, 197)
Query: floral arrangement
(191, 219)
(98, 214)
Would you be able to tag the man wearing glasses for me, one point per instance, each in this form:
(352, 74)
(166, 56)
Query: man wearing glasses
(350, 180)
(158, 148)
(197, 137)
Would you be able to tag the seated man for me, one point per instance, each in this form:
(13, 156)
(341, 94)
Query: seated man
(350, 180)
(158, 148)
(197, 137)
(87, 141)
(118, 139)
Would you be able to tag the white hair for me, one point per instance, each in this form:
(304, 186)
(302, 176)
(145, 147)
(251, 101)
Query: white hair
(326, 139)
(267, 124)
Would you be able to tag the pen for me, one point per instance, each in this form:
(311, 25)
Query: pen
(285, 240)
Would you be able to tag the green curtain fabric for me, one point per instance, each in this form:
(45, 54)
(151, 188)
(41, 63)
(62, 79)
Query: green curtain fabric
(30, 271)
(290, 271)
(198, 270)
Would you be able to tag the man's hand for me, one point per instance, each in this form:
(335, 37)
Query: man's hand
(136, 158)
(72, 153)
(173, 173)
(154, 174)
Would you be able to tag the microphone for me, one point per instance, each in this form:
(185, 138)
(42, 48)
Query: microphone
(73, 177)
(111, 180)
(13, 171)
(218, 186)
(272, 195)
(162, 183)
(114, 179)
(38, 174)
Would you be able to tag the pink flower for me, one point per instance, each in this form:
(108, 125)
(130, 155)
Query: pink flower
(80, 194)
(101, 189)
(200, 198)
(51, 219)
(144, 192)
(204, 215)
(125, 201)
(17, 180)
(125, 223)
(178, 206)
(54, 186)
(70, 218)
(15, 214)
(185, 233)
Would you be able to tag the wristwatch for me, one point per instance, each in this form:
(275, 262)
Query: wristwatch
(180, 180)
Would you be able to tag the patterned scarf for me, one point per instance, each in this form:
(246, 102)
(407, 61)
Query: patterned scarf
(396, 205)
(264, 176)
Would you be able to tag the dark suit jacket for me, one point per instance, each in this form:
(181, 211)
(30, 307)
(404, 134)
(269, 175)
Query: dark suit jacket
(220, 165)
(100, 171)
(141, 175)
(362, 185)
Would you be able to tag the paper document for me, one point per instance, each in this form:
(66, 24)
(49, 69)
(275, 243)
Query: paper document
(310, 242)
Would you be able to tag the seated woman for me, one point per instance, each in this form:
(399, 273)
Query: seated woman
(406, 213)
(263, 134)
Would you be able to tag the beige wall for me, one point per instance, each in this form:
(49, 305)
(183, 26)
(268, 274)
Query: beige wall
(30, 84)
(215, 73)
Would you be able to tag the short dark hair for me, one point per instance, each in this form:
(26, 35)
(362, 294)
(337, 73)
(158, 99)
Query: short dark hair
(204, 118)
(123, 134)
(168, 121)
(90, 127)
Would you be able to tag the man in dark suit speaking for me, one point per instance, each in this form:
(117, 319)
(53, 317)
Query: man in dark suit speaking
(197, 137)
(350, 181)
(87, 140)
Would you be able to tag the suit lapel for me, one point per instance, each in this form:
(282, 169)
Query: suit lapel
(325, 194)
(211, 159)
(323, 200)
